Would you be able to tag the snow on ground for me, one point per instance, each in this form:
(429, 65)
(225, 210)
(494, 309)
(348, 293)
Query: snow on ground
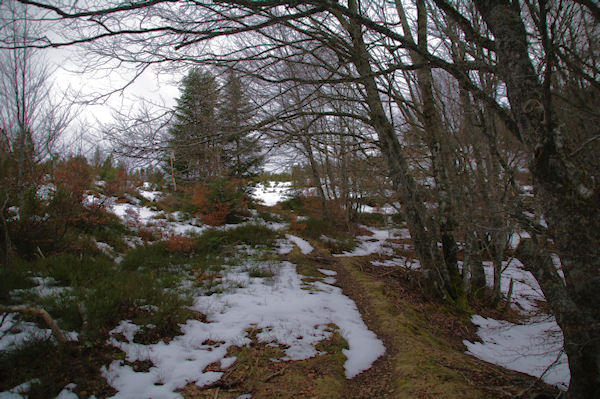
(14, 332)
(136, 216)
(295, 317)
(45, 287)
(530, 347)
(408, 263)
(304, 245)
(284, 309)
(18, 392)
(386, 209)
(147, 192)
(533, 348)
(327, 272)
(377, 243)
(526, 291)
(272, 193)
(284, 247)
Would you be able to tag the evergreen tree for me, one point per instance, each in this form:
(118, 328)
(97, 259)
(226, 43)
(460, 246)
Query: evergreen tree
(211, 136)
(194, 135)
(241, 153)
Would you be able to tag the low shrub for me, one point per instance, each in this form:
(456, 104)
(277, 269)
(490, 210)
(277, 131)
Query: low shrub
(213, 240)
(150, 257)
(340, 245)
(372, 219)
(143, 297)
(295, 204)
(104, 293)
(74, 270)
(15, 276)
(221, 201)
(316, 227)
(179, 243)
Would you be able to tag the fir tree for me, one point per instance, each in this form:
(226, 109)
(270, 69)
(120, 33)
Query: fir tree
(241, 154)
(194, 135)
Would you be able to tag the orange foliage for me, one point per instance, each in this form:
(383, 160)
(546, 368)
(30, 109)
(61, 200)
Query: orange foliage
(296, 225)
(201, 275)
(118, 186)
(199, 196)
(217, 215)
(148, 234)
(218, 200)
(179, 243)
(73, 176)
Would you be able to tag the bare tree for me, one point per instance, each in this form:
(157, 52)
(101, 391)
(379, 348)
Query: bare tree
(31, 119)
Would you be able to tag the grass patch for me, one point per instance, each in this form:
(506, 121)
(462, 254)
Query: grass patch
(372, 219)
(425, 363)
(261, 272)
(13, 277)
(214, 240)
(255, 371)
(45, 362)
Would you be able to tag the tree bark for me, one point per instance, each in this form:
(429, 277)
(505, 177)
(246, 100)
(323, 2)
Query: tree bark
(474, 264)
(433, 131)
(420, 225)
(570, 206)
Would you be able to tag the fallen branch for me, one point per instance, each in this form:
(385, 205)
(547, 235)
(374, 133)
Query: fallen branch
(275, 374)
(27, 310)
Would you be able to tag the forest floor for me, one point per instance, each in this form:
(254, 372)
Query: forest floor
(287, 320)
(424, 358)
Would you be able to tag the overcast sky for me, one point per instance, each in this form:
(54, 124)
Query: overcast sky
(96, 85)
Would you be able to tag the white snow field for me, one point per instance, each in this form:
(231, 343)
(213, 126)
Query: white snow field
(534, 348)
(304, 245)
(272, 193)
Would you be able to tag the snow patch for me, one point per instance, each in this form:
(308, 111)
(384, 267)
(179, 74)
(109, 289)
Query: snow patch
(377, 243)
(534, 348)
(273, 193)
(287, 312)
(327, 272)
(304, 245)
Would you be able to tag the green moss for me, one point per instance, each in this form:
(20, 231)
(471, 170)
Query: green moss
(420, 355)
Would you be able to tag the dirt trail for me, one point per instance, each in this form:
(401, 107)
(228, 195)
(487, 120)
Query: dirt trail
(424, 353)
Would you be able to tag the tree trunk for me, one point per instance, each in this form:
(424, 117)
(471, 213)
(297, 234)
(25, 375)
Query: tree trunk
(433, 130)
(474, 264)
(580, 329)
(6, 244)
(570, 206)
(422, 229)
(315, 175)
